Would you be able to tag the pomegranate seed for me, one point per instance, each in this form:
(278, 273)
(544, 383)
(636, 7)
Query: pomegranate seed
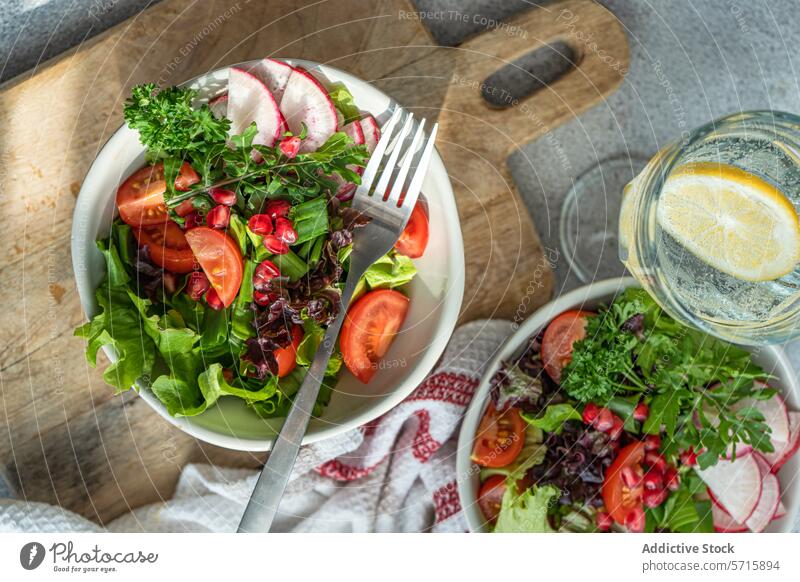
(655, 461)
(290, 146)
(653, 480)
(689, 457)
(213, 300)
(264, 299)
(219, 217)
(265, 272)
(275, 245)
(227, 373)
(629, 477)
(654, 497)
(671, 479)
(197, 285)
(223, 196)
(285, 231)
(604, 521)
(260, 224)
(641, 412)
(617, 428)
(170, 282)
(590, 413)
(635, 520)
(277, 208)
(652, 442)
(604, 420)
(192, 220)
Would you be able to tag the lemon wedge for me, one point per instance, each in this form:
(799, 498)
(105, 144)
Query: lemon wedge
(732, 220)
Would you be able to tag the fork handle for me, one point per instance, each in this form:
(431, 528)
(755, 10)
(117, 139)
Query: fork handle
(263, 504)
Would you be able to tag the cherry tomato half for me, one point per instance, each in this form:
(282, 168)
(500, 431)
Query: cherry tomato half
(619, 497)
(414, 240)
(220, 258)
(490, 497)
(500, 437)
(559, 336)
(167, 246)
(369, 329)
(287, 357)
(140, 199)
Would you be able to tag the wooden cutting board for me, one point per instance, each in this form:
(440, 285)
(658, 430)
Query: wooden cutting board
(66, 439)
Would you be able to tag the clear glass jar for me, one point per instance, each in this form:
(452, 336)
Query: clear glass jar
(764, 148)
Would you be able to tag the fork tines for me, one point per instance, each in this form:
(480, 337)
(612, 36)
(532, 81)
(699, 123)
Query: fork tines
(394, 171)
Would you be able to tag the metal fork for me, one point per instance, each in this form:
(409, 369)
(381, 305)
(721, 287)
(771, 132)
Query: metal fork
(388, 216)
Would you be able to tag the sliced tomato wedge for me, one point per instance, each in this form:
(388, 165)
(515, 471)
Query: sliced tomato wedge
(559, 336)
(620, 499)
(167, 246)
(500, 438)
(490, 497)
(140, 199)
(220, 258)
(287, 357)
(414, 240)
(369, 329)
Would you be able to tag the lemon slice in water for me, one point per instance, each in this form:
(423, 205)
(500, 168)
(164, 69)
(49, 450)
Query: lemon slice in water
(732, 220)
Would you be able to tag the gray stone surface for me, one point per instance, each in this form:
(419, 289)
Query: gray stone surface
(32, 31)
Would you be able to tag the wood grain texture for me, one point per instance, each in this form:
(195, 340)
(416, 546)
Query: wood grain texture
(65, 437)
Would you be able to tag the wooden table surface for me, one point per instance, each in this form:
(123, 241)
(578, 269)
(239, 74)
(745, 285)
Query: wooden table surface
(65, 438)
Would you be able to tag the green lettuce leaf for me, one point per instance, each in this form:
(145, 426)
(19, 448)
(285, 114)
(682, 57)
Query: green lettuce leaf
(344, 102)
(313, 334)
(553, 418)
(526, 512)
(389, 272)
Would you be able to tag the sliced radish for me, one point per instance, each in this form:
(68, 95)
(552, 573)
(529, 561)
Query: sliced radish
(780, 512)
(250, 100)
(274, 74)
(355, 132)
(785, 450)
(724, 523)
(736, 485)
(775, 415)
(219, 105)
(372, 133)
(769, 500)
(305, 101)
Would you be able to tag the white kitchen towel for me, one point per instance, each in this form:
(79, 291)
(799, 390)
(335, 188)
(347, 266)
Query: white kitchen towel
(396, 473)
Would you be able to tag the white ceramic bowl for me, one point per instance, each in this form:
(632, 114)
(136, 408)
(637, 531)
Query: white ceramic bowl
(435, 293)
(771, 358)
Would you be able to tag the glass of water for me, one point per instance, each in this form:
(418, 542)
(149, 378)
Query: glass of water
(710, 228)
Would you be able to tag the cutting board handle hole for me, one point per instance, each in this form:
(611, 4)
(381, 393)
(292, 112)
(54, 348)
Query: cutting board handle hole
(528, 74)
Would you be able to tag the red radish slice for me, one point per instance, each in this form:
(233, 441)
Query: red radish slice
(784, 451)
(250, 100)
(735, 484)
(372, 133)
(769, 500)
(274, 74)
(305, 101)
(724, 523)
(219, 105)
(775, 415)
(780, 512)
(355, 132)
